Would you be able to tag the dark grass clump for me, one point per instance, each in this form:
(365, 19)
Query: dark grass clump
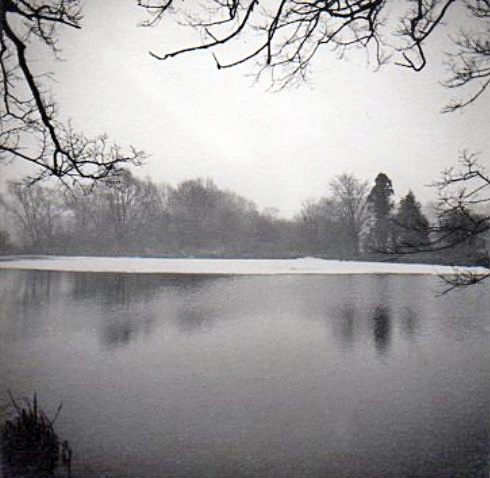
(29, 443)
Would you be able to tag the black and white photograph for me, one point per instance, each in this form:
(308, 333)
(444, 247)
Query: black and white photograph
(245, 238)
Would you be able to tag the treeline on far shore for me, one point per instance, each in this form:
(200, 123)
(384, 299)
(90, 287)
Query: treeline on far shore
(125, 215)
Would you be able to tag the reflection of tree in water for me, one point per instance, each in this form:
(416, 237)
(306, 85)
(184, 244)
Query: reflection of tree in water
(26, 296)
(120, 296)
(37, 287)
(125, 323)
(371, 315)
(125, 299)
(346, 324)
(120, 331)
(109, 288)
(123, 288)
(409, 323)
(194, 320)
(382, 328)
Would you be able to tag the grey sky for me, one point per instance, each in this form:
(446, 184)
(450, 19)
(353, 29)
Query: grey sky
(276, 149)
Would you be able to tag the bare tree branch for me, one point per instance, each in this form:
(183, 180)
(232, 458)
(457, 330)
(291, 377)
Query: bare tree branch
(289, 33)
(29, 129)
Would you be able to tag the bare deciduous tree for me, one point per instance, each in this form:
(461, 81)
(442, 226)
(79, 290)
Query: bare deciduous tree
(29, 126)
(35, 211)
(284, 36)
(470, 63)
(463, 213)
(351, 195)
(321, 228)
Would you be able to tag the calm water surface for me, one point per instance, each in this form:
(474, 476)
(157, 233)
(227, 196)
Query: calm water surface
(299, 376)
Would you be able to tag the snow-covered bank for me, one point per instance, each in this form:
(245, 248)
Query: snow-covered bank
(225, 266)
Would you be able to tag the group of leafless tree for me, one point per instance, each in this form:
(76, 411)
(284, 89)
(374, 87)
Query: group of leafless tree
(283, 38)
(127, 215)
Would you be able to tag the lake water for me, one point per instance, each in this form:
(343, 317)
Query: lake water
(286, 376)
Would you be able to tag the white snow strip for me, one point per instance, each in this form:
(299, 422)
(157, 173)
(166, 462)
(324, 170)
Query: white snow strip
(226, 266)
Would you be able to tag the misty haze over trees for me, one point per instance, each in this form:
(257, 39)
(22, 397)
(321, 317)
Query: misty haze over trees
(126, 215)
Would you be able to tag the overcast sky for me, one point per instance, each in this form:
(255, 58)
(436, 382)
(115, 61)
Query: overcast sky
(277, 149)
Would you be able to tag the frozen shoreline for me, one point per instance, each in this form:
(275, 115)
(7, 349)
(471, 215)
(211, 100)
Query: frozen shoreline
(225, 266)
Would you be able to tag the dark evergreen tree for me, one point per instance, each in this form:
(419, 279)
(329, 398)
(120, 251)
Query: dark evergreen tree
(412, 227)
(462, 232)
(380, 205)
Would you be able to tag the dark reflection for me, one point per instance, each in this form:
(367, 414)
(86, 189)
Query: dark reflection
(346, 324)
(120, 327)
(112, 288)
(121, 288)
(409, 323)
(115, 334)
(193, 320)
(37, 287)
(24, 295)
(124, 299)
(124, 306)
(382, 328)
(124, 317)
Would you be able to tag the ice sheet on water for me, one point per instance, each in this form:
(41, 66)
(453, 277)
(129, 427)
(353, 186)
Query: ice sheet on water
(306, 265)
